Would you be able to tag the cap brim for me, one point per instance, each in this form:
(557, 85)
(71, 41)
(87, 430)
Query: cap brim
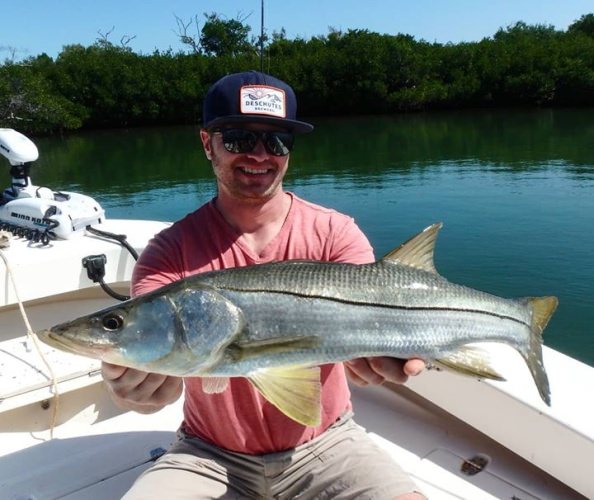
(294, 126)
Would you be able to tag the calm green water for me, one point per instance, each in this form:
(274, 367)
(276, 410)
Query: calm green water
(515, 191)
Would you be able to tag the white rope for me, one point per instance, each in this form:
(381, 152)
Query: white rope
(4, 242)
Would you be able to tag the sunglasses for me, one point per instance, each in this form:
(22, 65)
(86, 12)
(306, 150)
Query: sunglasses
(241, 140)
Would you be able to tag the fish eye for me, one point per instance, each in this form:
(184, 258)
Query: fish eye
(112, 322)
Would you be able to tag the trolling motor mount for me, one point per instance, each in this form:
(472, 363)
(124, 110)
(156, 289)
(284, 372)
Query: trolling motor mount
(34, 212)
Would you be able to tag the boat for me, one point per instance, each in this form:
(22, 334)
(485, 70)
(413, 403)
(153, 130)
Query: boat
(62, 437)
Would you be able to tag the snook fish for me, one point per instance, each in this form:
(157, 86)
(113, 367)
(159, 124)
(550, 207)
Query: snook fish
(275, 323)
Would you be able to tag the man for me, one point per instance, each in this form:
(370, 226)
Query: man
(235, 444)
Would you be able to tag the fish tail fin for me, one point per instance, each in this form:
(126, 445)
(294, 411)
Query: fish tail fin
(542, 309)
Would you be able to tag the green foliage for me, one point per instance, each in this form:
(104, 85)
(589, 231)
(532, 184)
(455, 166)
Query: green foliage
(584, 24)
(220, 37)
(352, 72)
(29, 102)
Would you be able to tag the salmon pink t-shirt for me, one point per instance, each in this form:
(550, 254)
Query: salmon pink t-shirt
(240, 419)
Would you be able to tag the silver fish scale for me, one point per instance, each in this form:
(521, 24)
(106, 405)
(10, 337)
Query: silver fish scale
(381, 283)
(356, 331)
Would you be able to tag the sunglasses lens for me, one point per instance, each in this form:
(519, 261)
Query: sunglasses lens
(278, 143)
(238, 141)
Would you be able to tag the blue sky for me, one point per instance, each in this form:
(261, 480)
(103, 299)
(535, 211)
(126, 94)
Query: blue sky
(31, 27)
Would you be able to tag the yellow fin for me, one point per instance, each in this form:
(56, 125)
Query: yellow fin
(418, 251)
(294, 390)
(542, 310)
(472, 361)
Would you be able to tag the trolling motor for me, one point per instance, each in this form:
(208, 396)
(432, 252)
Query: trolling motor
(38, 213)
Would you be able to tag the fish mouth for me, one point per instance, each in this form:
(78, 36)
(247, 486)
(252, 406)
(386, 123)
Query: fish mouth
(64, 344)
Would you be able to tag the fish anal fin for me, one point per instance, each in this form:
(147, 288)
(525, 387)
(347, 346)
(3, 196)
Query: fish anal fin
(418, 251)
(214, 385)
(294, 390)
(472, 361)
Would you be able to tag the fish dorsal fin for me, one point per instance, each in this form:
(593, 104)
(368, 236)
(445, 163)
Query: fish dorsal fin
(214, 385)
(294, 390)
(417, 252)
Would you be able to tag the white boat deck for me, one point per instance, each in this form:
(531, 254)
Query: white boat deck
(436, 448)
(44, 271)
(558, 439)
(101, 460)
(24, 377)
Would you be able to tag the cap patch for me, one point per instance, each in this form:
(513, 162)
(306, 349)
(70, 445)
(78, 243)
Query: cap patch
(263, 100)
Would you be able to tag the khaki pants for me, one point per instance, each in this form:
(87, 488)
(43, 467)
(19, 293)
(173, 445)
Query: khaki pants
(341, 463)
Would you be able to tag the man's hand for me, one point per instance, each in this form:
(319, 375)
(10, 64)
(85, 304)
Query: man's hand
(140, 391)
(373, 371)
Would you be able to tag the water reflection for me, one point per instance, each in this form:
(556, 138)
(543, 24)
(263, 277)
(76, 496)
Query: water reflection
(510, 139)
(354, 149)
(126, 161)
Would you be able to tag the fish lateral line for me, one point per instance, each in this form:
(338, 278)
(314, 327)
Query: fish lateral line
(352, 302)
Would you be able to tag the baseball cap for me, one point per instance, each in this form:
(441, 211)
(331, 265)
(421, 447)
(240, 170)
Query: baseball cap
(252, 97)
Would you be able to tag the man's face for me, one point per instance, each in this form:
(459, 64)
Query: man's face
(254, 175)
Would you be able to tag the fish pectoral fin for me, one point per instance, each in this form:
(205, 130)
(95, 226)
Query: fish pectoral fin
(472, 361)
(275, 345)
(294, 390)
(214, 385)
(418, 251)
